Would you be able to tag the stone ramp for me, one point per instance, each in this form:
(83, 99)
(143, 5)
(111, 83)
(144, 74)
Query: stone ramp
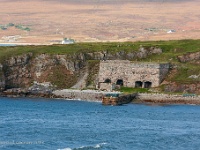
(118, 100)
(88, 95)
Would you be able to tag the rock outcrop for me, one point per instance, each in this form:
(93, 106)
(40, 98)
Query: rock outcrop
(19, 73)
(189, 57)
(2, 78)
(183, 88)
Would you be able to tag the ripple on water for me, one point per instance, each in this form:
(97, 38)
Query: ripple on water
(81, 125)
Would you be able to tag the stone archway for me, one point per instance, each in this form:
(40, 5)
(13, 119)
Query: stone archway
(120, 82)
(138, 84)
(107, 81)
(147, 84)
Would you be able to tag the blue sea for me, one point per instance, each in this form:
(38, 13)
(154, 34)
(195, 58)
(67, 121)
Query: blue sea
(49, 124)
(5, 45)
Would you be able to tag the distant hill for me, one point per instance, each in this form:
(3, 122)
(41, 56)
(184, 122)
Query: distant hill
(47, 21)
(118, 1)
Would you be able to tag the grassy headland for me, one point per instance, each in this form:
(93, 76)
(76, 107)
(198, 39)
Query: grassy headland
(171, 50)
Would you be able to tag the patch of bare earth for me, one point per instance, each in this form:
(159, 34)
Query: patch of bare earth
(51, 21)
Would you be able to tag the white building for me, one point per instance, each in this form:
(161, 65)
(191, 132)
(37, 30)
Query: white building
(67, 41)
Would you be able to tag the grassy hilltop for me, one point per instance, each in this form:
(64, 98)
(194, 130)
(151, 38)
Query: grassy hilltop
(171, 50)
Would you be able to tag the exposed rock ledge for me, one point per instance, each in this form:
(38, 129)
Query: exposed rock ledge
(95, 95)
(167, 99)
(189, 57)
(70, 94)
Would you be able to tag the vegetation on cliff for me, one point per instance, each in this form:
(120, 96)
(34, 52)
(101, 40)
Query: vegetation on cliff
(171, 49)
(93, 69)
(61, 77)
(185, 66)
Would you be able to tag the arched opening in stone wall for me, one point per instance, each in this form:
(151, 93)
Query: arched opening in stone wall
(138, 84)
(120, 82)
(147, 84)
(107, 81)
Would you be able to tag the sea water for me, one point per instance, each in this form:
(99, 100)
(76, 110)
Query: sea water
(6, 45)
(49, 124)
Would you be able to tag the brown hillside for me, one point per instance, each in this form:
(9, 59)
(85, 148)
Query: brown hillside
(100, 20)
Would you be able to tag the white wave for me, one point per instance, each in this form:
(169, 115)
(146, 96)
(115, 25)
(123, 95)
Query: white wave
(97, 146)
(65, 149)
(100, 145)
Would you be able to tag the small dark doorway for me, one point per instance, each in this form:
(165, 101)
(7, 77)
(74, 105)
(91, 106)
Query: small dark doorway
(147, 84)
(138, 84)
(120, 82)
(107, 81)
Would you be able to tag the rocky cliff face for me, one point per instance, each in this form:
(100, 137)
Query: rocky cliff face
(183, 88)
(70, 70)
(21, 71)
(189, 57)
(2, 79)
(107, 55)
(63, 71)
(17, 71)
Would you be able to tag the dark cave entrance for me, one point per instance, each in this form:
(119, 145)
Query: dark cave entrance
(147, 84)
(107, 81)
(120, 82)
(138, 84)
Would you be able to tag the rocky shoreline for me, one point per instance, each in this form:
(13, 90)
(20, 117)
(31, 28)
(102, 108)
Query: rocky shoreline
(69, 94)
(18, 92)
(158, 98)
(95, 95)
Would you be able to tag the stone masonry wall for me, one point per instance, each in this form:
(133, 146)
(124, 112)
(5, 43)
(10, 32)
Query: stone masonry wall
(131, 72)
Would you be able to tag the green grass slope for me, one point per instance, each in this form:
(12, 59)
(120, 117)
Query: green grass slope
(171, 49)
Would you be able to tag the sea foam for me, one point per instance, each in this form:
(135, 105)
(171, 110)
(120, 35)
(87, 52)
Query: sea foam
(88, 147)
